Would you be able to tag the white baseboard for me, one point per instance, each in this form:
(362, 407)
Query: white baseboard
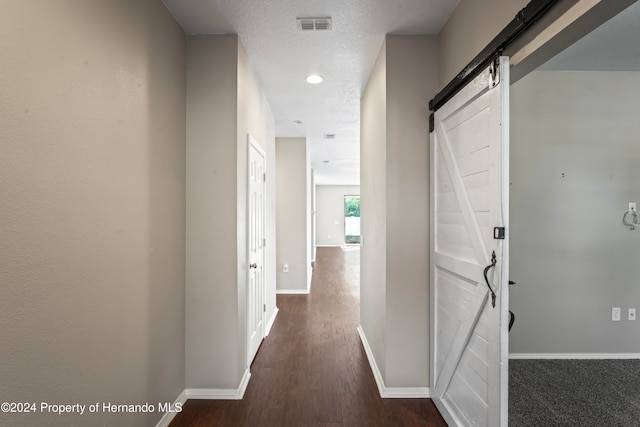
(406, 393)
(574, 356)
(390, 392)
(204, 393)
(270, 322)
(292, 291)
(372, 361)
(168, 416)
(220, 394)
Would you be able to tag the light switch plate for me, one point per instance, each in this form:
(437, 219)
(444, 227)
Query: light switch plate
(615, 314)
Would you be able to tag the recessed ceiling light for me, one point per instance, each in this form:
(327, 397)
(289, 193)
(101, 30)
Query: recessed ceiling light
(325, 161)
(314, 79)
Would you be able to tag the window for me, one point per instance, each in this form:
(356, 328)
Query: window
(352, 220)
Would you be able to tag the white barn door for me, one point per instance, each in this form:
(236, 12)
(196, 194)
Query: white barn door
(469, 197)
(256, 224)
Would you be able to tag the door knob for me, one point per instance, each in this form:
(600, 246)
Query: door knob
(254, 265)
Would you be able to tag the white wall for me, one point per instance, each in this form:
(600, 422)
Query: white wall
(330, 213)
(570, 254)
(224, 103)
(92, 190)
(293, 215)
(394, 209)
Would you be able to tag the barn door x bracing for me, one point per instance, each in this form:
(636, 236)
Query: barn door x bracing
(469, 214)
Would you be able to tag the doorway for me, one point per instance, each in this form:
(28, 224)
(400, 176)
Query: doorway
(574, 152)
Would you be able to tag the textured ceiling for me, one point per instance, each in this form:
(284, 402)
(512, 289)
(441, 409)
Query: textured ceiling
(614, 46)
(283, 56)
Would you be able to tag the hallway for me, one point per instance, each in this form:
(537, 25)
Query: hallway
(312, 370)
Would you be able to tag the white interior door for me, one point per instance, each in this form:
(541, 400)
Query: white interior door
(469, 197)
(256, 209)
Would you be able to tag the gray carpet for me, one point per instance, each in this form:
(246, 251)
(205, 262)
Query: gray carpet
(581, 393)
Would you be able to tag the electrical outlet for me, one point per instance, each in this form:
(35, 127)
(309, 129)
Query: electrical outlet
(632, 314)
(615, 314)
(285, 269)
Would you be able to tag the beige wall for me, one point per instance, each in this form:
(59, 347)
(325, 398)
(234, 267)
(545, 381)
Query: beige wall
(312, 212)
(92, 185)
(412, 78)
(256, 118)
(292, 212)
(474, 23)
(224, 104)
(212, 244)
(394, 206)
(330, 213)
(574, 150)
(470, 28)
(309, 180)
(373, 210)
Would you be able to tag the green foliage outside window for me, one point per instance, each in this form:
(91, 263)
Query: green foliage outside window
(352, 206)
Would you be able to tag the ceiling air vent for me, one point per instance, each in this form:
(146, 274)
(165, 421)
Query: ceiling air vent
(329, 136)
(314, 24)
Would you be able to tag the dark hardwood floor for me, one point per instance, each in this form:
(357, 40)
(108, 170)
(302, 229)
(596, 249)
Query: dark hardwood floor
(312, 369)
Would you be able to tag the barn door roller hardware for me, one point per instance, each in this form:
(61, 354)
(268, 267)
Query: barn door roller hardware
(494, 72)
(521, 23)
